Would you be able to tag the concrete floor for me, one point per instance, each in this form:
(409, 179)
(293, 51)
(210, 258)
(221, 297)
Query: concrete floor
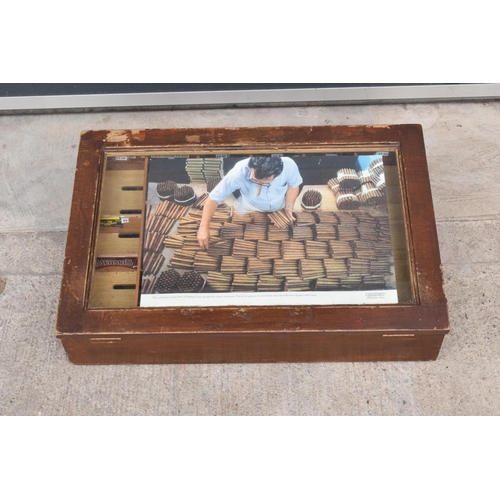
(37, 165)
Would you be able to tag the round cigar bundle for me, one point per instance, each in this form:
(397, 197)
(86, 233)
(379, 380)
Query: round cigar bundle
(365, 176)
(167, 281)
(311, 200)
(348, 178)
(347, 200)
(190, 282)
(370, 195)
(333, 184)
(184, 195)
(166, 189)
(211, 183)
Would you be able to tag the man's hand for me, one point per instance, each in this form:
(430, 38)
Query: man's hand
(203, 237)
(289, 211)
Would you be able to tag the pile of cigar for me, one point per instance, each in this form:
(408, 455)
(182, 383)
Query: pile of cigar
(202, 169)
(365, 188)
(257, 252)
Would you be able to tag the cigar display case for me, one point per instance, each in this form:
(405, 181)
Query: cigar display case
(334, 258)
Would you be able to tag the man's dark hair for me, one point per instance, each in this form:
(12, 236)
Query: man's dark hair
(266, 166)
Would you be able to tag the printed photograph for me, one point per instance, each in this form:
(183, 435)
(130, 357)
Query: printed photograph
(281, 229)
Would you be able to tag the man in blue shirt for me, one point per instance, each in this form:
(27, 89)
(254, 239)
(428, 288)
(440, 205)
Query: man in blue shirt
(266, 184)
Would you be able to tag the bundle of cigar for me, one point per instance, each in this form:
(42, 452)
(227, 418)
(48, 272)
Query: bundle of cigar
(244, 248)
(182, 259)
(170, 210)
(190, 243)
(152, 262)
(200, 202)
(348, 178)
(306, 218)
(374, 282)
(245, 218)
(333, 184)
(351, 282)
(203, 262)
(311, 269)
(268, 283)
(341, 249)
(335, 268)
(317, 250)
(364, 176)
(311, 199)
(173, 241)
(278, 233)
(219, 282)
(293, 284)
(166, 189)
(347, 200)
(194, 168)
(168, 281)
(364, 249)
(218, 246)
(327, 284)
(283, 268)
(233, 265)
(269, 249)
(259, 266)
(302, 233)
(212, 182)
(147, 285)
(255, 232)
(358, 267)
(293, 250)
(325, 232)
(280, 218)
(259, 217)
(212, 168)
(381, 266)
(188, 225)
(191, 282)
(327, 218)
(184, 195)
(371, 195)
(232, 230)
(153, 242)
(244, 283)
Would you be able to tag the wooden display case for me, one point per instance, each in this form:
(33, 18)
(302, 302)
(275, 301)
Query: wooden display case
(354, 275)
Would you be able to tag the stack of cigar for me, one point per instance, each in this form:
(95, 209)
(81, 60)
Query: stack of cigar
(212, 168)
(311, 269)
(244, 248)
(269, 249)
(219, 282)
(327, 218)
(302, 233)
(381, 266)
(317, 250)
(259, 217)
(336, 268)
(293, 284)
(147, 285)
(257, 232)
(333, 184)
(358, 267)
(283, 268)
(268, 283)
(152, 262)
(190, 243)
(374, 282)
(351, 282)
(306, 218)
(200, 202)
(259, 266)
(341, 249)
(218, 246)
(365, 249)
(325, 232)
(182, 259)
(245, 218)
(293, 250)
(278, 233)
(327, 284)
(203, 262)
(233, 265)
(232, 230)
(194, 168)
(281, 218)
(244, 283)
(173, 241)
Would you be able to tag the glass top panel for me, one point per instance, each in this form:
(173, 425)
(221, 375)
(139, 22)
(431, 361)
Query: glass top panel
(212, 230)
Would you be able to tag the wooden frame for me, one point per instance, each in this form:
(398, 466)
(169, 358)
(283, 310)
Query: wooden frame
(412, 329)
